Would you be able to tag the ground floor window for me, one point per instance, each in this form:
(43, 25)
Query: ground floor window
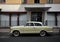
(51, 19)
(14, 20)
(22, 19)
(4, 20)
(7, 20)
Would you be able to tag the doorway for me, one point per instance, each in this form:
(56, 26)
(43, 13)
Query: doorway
(36, 16)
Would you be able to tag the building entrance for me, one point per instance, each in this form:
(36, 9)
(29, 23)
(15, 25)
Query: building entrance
(36, 16)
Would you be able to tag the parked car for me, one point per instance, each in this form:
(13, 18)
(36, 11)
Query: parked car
(31, 27)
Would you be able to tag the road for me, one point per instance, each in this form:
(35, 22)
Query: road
(5, 37)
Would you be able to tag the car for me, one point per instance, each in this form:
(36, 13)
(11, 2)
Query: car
(31, 27)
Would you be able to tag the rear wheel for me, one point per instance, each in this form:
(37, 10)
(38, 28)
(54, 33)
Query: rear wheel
(16, 33)
(43, 33)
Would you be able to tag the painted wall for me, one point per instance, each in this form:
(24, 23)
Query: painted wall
(43, 1)
(56, 1)
(21, 8)
(13, 1)
(30, 1)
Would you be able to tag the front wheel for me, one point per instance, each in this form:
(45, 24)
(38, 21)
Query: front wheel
(16, 33)
(43, 33)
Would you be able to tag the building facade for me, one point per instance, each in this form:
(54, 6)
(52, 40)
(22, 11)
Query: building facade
(18, 12)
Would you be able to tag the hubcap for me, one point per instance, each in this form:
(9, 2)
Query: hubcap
(16, 33)
(42, 33)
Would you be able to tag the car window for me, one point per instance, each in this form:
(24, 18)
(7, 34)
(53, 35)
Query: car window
(37, 24)
(29, 24)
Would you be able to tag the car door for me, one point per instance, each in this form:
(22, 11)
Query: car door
(38, 27)
(29, 28)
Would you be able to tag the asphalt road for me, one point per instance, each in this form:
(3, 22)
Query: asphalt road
(5, 37)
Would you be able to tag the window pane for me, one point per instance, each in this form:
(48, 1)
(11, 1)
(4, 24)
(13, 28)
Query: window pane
(34, 17)
(22, 19)
(14, 20)
(4, 20)
(27, 24)
(31, 24)
(51, 19)
(37, 24)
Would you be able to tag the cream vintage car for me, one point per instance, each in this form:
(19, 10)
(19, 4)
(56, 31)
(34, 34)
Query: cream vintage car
(31, 27)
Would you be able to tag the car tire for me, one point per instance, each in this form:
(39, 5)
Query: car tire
(43, 33)
(16, 33)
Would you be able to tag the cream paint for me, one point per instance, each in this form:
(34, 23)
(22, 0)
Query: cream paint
(31, 29)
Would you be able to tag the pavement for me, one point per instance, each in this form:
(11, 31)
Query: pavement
(4, 30)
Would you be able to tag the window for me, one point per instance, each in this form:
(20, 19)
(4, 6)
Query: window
(36, 1)
(4, 20)
(13, 20)
(29, 24)
(50, 1)
(22, 19)
(2, 1)
(37, 24)
(24, 1)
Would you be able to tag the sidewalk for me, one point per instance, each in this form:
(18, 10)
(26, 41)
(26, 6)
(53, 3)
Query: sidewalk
(4, 30)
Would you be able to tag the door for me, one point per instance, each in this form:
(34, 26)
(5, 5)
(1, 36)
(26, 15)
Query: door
(36, 16)
(29, 28)
(38, 27)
